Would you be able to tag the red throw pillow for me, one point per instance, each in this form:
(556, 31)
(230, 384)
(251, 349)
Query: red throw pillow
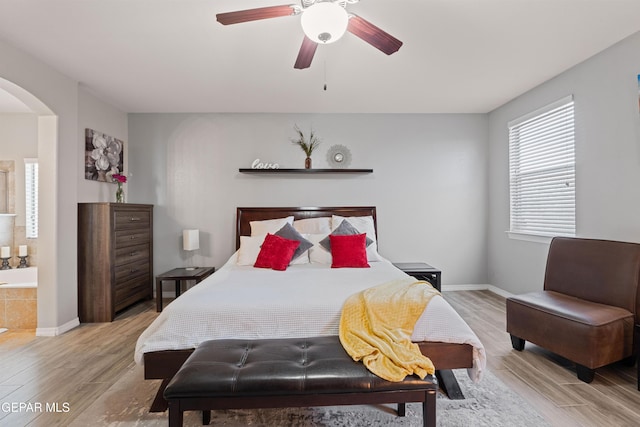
(276, 252)
(349, 251)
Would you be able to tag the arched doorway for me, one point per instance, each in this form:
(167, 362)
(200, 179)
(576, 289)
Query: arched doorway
(47, 136)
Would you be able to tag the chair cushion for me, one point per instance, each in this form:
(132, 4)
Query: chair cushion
(584, 332)
(572, 308)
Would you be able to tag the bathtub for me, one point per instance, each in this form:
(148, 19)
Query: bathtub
(19, 278)
(18, 298)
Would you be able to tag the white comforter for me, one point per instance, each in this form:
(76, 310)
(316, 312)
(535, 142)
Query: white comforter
(303, 301)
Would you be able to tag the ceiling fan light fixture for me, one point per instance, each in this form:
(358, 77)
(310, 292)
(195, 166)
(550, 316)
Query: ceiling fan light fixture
(324, 22)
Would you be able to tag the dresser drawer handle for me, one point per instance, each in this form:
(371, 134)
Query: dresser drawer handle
(134, 253)
(134, 270)
(135, 218)
(132, 237)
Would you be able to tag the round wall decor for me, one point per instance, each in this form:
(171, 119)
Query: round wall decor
(339, 156)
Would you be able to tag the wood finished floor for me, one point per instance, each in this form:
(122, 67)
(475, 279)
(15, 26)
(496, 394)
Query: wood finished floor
(79, 366)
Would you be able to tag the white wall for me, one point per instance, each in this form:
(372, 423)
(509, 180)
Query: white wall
(607, 161)
(429, 182)
(102, 117)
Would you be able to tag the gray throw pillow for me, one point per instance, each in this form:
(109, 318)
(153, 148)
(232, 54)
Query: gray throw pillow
(288, 232)
(344, 229)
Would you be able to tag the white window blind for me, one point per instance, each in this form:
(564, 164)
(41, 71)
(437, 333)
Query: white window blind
(31, 196)
(542, 171)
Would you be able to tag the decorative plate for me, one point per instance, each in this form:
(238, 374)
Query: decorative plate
(339, 156)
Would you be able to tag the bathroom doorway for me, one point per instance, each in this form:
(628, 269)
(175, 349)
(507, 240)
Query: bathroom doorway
(28, 126)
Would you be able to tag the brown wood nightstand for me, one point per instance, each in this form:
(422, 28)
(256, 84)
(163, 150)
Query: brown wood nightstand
(422, 271)
(179, 275)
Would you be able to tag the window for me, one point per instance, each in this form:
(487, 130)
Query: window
(542, 171)
(31, 196)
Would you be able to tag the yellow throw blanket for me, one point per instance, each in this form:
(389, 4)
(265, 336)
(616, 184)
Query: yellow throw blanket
(376, 327)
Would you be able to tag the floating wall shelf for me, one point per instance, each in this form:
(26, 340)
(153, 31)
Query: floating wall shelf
(304, 171)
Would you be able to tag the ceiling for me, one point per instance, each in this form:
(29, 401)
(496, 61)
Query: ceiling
(459, 56)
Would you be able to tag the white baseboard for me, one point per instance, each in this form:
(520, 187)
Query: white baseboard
(490, 288)
(499, 291)
(59, 330)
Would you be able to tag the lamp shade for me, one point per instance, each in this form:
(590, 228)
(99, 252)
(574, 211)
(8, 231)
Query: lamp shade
(324, 22)
(190, 240)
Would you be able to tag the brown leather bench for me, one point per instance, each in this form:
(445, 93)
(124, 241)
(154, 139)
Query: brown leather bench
(282, 373)
(589, 305)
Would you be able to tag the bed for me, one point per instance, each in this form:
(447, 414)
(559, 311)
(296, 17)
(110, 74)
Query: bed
(240, 301)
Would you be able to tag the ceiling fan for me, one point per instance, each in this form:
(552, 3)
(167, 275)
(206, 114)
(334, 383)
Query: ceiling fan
(323, 22)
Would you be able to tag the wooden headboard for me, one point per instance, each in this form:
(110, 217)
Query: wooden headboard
(245, 215)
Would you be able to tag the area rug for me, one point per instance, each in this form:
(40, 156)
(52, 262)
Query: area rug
(488, 403)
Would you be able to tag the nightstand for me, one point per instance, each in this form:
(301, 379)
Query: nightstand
(178, 275)
(421, 271)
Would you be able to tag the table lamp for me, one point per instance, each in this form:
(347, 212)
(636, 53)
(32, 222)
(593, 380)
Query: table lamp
(190, 242)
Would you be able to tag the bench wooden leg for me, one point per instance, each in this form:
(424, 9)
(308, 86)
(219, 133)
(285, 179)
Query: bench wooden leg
(175, 414)
(402, 409)
(206, 418)
(429, 409)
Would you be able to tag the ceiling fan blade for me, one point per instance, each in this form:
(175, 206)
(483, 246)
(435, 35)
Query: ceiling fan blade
(373, 35)
(305, 56)
(255, 14)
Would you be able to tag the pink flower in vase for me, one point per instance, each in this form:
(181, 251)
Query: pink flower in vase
(120, 179)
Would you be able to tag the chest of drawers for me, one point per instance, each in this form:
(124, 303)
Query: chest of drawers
(115, 258)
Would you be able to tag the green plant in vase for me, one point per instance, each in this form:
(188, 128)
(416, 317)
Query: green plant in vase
(307, 145)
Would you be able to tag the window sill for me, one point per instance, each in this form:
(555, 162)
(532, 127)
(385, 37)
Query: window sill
(537, 238)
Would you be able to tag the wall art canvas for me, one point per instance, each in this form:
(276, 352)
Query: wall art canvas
(638, 92)
(103, 156)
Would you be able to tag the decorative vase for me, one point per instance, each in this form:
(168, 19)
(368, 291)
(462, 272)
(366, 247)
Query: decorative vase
(119, 194)
(307, 163)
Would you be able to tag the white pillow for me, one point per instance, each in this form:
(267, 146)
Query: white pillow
(262, 228)
(364, 224)
(320, 225)
(318, 254)
(302, 259)
(249, 249)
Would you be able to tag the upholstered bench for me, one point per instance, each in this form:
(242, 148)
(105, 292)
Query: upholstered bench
(588, 306)
(282, 373)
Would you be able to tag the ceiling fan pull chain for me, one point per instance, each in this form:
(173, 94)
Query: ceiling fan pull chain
(325, 75)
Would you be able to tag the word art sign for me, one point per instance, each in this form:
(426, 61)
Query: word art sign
(257, 164)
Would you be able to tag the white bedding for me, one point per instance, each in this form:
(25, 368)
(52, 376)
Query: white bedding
(303, 301)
